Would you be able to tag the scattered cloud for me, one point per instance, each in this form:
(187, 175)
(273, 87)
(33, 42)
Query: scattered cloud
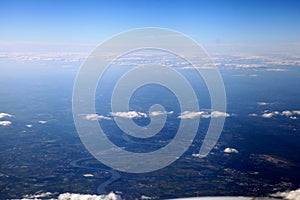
(289, 195)
(96, 117)
(202, 114)
(287, 113)
(230, 150)
(3, 115)
(42, 122)
(5, 123)
(129, 114)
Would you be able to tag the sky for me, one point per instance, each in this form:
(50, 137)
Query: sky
(213, 21)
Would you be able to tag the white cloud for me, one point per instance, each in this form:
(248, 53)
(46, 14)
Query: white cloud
(42, 122)
(221, 198)
(144, 197)
(88, 175)
(262, 103)
(268, 115)
(37, 196)
(190, 114)
(253, 115)
(219, 114)
(5, 123)
(129, 114)
(2, 115)
(96, 117)
(73, 196)
(287, 113)
(296, 112)
(202, 114)
(156, 113)
(197, 155)
(29, 125)
(230, 150)
(65, 57)
(289, 195)
(276, 70)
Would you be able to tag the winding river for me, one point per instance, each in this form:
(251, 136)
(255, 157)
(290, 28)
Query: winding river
(101, 188)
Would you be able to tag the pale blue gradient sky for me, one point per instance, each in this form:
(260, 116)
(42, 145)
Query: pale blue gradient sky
(206, 21)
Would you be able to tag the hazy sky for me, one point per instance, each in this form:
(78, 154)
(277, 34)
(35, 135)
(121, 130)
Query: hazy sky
(206, 21)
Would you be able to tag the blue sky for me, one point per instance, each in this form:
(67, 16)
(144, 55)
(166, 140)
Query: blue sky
(207, 21)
